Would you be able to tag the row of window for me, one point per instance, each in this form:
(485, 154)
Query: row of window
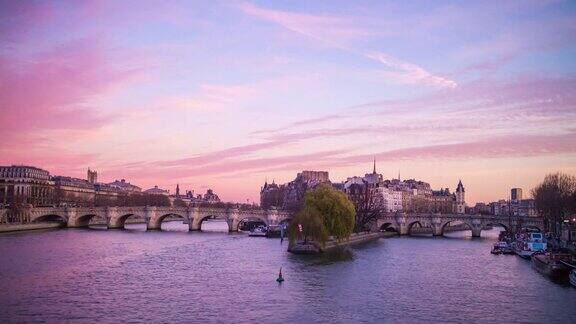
(24, 173)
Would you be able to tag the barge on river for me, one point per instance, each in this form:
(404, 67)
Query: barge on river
(552, 265)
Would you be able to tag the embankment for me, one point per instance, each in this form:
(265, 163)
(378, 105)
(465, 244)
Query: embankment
(5, 228)
(331, 244)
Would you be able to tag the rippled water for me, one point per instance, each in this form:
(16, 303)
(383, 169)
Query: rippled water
(175, 276)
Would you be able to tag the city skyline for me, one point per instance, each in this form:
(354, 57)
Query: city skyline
(227, 94)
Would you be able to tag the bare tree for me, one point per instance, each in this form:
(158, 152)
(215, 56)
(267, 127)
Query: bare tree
(369, 206)
(555, 199)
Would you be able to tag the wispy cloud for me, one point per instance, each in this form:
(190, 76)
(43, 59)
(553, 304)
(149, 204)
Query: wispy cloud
(529, 94)
(178, 170)
(496, 147)
(300, 123)
(335, 31)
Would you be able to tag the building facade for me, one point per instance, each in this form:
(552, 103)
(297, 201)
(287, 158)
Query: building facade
(290, 196)
(271, 195)
(442, 201)
(20, 184)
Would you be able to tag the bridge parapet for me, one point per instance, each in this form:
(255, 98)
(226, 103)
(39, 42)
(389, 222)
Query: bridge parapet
(117, 216)
(403, 222)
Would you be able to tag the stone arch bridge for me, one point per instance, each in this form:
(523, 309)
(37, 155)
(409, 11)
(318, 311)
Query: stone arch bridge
(193, 216)
(403, 222)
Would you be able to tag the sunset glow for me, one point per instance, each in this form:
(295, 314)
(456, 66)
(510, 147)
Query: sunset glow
(226, 94)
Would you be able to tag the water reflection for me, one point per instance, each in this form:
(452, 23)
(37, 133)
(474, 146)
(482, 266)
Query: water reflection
(214, 226)
(178, 276)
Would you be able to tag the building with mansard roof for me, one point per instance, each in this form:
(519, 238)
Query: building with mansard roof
(25, 184)
(157, 191)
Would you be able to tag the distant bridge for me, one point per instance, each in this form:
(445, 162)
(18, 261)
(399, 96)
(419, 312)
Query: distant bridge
(404, 222)
(116, 216)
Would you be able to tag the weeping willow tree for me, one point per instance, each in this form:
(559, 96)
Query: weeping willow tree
(326, 212)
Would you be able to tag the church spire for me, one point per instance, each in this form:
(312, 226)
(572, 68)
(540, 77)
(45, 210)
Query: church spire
(177, 190)
(374, 169)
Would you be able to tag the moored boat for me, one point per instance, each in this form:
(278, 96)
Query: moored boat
(527, 244)
(258, 231)
(549, 265)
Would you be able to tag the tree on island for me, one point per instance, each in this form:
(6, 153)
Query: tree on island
(326, 212)
(368, 204)
(555, 199)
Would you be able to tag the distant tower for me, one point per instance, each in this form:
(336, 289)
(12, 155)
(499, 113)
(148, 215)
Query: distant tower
(460, 199)
(516, 194)
(374, 169)
(92, 176)
(177, 190)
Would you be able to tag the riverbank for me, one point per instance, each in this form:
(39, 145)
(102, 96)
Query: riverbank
(332, 244)
(7, 228)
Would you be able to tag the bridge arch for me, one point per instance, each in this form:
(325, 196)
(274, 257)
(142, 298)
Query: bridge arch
(118, 222)
(388, 227)
(240, 219)
(197, 223)
(53, 217)
(412, 224)
(468, 225)
(496, 223)
(83, 220)
(155, 223)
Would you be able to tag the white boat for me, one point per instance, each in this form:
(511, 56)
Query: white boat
(258, 231)
(573, 278)
(529, 243)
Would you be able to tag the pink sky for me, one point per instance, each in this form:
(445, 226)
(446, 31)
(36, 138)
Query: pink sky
(226, 94)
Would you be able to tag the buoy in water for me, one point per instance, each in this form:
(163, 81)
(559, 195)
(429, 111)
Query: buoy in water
(280, 278)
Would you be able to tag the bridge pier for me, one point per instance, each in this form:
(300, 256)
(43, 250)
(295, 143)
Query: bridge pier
(476, 232)
(403, 229)
(437, 231)
(233, 220)
(114, 221)
(437, 227)
(152, 222)
(73, 219)
(193, 219)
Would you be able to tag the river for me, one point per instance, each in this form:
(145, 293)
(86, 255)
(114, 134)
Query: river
(88, 275)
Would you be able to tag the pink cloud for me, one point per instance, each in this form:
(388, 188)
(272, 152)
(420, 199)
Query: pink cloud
(164, 170)
(496, 147)
(47, 102)
(334, 31)
(304, 122)
(552, 95)
(53, 90)
(234, 152)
